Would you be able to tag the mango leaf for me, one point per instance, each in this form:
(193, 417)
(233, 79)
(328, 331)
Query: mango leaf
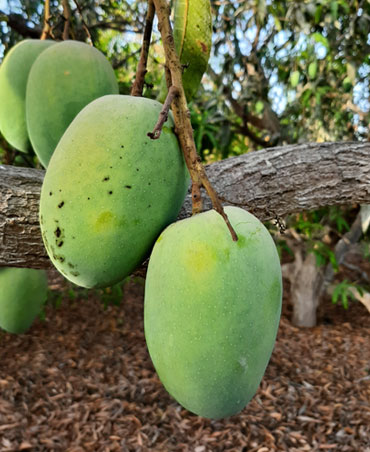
(261, 10)
(318, 14)
(259, 106)
(351, 72)
(192, 32)
(277, 24)
(334, 10)
(318, 37)
(305, 98)
(312, 70)
(345, 6)
(347, 84)
(294, 78)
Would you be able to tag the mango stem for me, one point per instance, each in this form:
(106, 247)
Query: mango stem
(181, 114)
(163, 115)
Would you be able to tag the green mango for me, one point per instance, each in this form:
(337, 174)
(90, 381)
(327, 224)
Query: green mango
(14, 72)
(211, 311)
(192, 32)
(63, 80)
(109, 190)
(23, 291)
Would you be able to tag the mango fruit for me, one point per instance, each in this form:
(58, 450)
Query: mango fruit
(14, 72)
(211, 311)
(23, 291)
(62, 81)
(109, 190)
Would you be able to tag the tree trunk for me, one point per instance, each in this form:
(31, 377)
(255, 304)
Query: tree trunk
(268, 183)
(305, 290)
(309, 283)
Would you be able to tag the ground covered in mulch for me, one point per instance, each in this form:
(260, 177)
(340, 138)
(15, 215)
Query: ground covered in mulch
(82, 380)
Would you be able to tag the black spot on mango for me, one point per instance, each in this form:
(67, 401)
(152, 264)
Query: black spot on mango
(111, 235)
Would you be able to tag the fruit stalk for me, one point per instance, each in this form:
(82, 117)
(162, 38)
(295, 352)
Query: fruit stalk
(46, 31)
(163, 116)
(181, 115)
(137, 87)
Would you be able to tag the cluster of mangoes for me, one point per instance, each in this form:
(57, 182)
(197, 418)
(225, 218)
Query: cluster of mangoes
(212, 305)
(43, 85)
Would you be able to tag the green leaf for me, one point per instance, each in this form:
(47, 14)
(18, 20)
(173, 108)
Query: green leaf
(312, 70)
(337, 290)
(211, 139)
(294, 78)
(277, 24)
(318, 14)
(199, 137)
(192, 31)
(318, 37)
(344, 4)
(305, 98)
(259, 107)
(347, 84)
(334, 10)
(351, 72)
(333, 260)
(261, 10)
(345, 300)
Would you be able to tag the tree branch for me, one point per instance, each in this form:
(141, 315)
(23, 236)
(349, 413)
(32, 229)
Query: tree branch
(47, 16)
(163, 115)
(67, 19)
(137, 87)
(17, 23)
(84, 25)
(272, 182)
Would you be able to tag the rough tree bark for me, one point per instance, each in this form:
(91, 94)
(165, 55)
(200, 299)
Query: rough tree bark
(18, 23)
(270, 182)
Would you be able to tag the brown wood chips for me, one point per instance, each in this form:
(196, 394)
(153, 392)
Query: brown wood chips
(82, 381)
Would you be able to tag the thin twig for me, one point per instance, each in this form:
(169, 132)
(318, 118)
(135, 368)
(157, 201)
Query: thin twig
(47, 16)
(137, 87)
(163, 115)
(183, 126)
(167, 74)
(84, 25)
(67, 18)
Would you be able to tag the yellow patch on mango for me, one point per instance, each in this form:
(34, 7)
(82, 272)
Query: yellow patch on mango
(104, 221)
(199, 261)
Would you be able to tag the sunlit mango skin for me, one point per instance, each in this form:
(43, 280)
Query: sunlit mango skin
(63, 80)
(14, 71)
(212, 308)
(109, 190)
(23, 291)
